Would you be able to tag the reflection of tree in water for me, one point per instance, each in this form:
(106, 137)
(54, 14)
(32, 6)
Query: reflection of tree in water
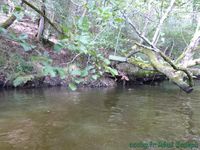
(187, 112)
(20, 96)
(111, 103)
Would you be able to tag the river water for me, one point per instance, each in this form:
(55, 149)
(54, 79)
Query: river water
(98, 119)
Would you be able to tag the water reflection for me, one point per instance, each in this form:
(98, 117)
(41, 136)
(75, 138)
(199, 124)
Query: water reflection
(115, 112)
(92, 119)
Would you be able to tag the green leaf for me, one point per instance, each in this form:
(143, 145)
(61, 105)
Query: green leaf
(114, 72)
(83, 48)
(65, 29)
(84, 73)
(78, 81)
(49, 70)
(26, 46)
(84, 39)
(58, 47)
(93, 71)
(2, 30)
(72, 86)
(83, 24)
(5, 8)
(18, 8)
(76, 73)
(119, 20)
(61, 73)
(23, 37)
(106, 61)
(88, 68)
(22, 80)
(95, 77)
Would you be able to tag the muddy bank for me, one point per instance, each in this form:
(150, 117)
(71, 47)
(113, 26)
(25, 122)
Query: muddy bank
(103, 82)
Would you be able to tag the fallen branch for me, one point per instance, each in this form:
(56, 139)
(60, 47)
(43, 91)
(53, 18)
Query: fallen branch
(176, 76)
(153, 48)
(168, 60)
(175, 72)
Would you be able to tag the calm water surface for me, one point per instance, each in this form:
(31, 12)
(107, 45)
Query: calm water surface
(97, 119)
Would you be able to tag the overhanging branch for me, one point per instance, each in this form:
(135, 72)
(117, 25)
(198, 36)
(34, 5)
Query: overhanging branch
(168, 60)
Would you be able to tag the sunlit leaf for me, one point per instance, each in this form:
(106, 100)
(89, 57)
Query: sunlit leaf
(72, 86)
(114, 72)
(95, 77)
(83, 24)
(76, 73)
(49, 70)
(84, 73)
(22, 80)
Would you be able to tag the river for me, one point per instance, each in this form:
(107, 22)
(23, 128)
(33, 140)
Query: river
(98, 119)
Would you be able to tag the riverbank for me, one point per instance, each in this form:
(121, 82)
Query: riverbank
(22, 58)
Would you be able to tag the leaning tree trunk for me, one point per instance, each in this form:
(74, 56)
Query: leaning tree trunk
(180, 71)
(41, 25)
(10, 19)
(8, 22)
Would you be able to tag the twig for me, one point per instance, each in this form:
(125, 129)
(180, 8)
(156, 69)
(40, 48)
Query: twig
(183, 37)
(74, 58)
(156, 35)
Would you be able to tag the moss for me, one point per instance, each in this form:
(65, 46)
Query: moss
(140, 63)
(145, 73)
(8, 22)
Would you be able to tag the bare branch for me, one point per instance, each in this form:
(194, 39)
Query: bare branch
(146, 20)
(193, 62)
(137, 31)
(188, 53)
(163, 18)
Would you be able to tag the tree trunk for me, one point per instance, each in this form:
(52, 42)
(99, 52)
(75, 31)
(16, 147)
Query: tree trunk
(8, 22)
(41, 25)
(12, 18)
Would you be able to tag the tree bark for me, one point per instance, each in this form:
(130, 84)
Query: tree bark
(8, 22)
(41, 26)
(11, 19)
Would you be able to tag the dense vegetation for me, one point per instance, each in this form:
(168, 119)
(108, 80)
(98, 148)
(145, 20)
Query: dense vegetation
(124, 39)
